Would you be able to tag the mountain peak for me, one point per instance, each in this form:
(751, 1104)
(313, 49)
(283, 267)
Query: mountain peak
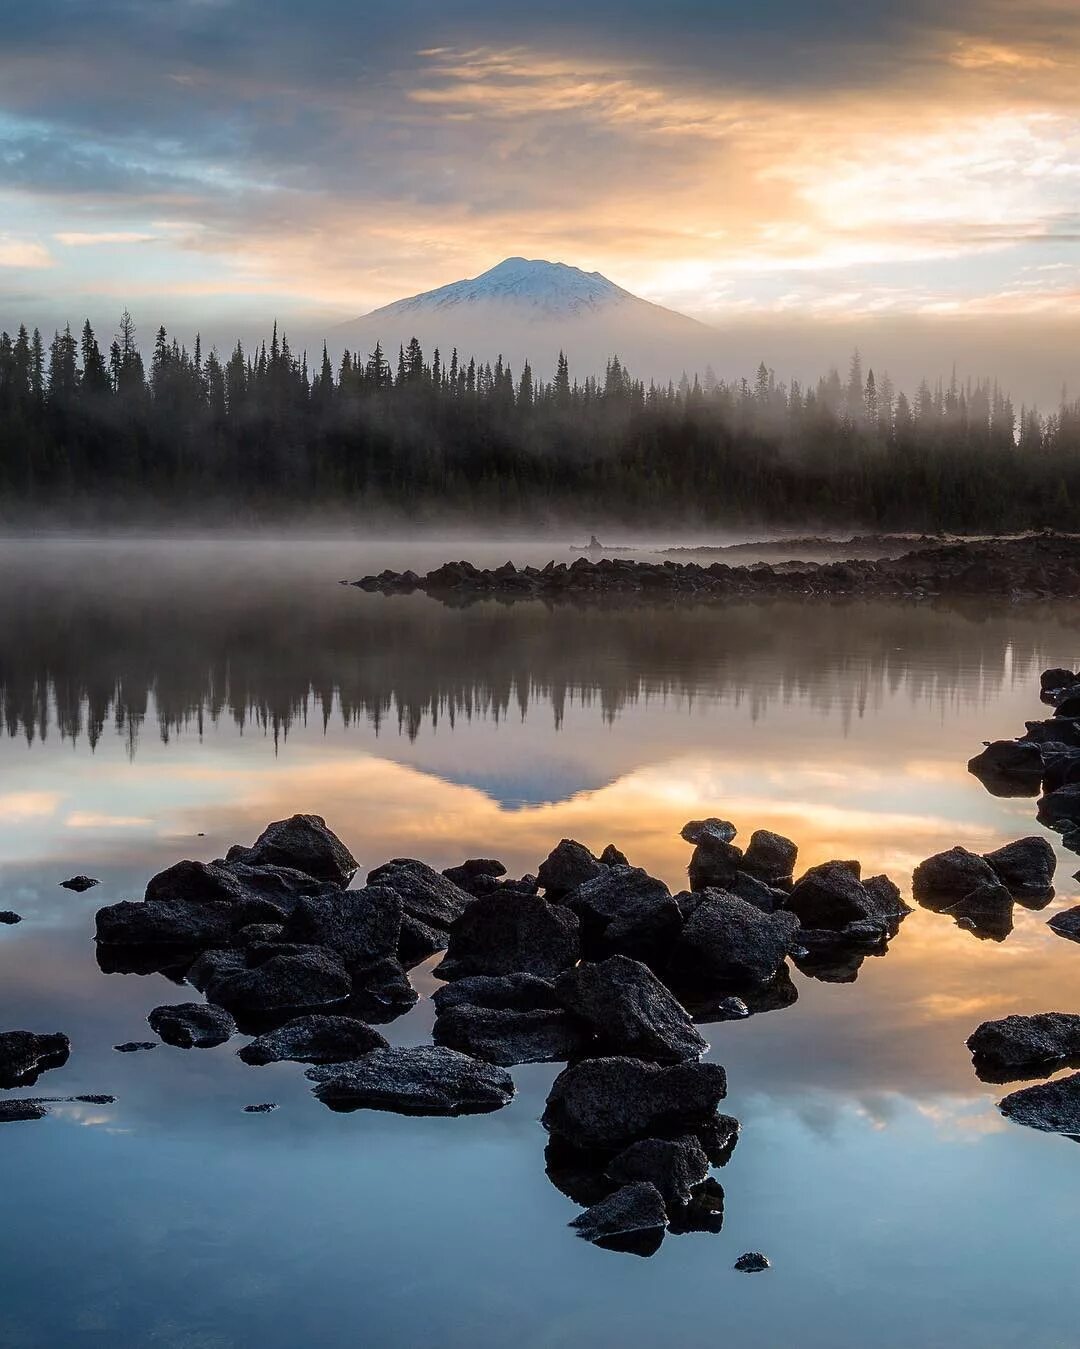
(533, 287)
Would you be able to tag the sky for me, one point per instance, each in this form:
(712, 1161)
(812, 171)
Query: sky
(800, 175)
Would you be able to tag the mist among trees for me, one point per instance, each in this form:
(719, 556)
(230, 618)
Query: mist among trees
(267, 431)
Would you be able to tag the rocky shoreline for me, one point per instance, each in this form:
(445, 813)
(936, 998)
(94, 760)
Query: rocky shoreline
(1034, 567)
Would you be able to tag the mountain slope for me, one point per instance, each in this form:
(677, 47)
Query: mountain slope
(531, 309)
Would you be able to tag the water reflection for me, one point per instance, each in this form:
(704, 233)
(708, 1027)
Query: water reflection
(159, 708)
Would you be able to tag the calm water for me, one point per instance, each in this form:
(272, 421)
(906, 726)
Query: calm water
(165, 701)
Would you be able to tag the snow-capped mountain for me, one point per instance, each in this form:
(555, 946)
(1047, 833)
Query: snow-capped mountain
(526, 309)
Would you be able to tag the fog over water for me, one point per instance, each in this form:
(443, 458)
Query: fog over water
(166, 699)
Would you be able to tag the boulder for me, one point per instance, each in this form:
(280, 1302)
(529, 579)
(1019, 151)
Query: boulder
(608, 1103)
(767, 898)
(195, 882)
(12, 1112)
(9, 917)
(314, 1039)
(713, 865)
(831, 896)
(301, 843)
(987, 912)
(1055, 730)
(632, 1220)
(645, 930)
(1024, 1046)
(1060, 806)
(79, 883)
(729, 944)
(676, 1166)
(380, 994)
(770, 857)
(706, 1005)
(509, 992)
(1060, 766)
(1057, 678)
(360, 926)
(418, 941)
(707, 831)
(25, 1055)
(192, 1025)
(1053, 1107)
(425, 894)
(475, 869)
(614, 857)
(512, 933)
(282, 886)
(566, 867)
(504, 1036)
(135, 1046)
(1025, 868)
(1066, 923)
(262, 1108)
(752, 1262)
(948, 876)
(629, 1011)
(214, 964)
(1009, 768)
(414, 1080)
(307, 981)
(615, 891)
(704, 1212)
(183, 924)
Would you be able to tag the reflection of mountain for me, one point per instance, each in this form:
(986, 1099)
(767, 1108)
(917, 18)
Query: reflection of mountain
(118, 642)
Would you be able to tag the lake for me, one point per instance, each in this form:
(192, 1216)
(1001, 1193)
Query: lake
(164, 699)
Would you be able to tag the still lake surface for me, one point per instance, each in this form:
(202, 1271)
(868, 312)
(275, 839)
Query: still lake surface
(164, 700)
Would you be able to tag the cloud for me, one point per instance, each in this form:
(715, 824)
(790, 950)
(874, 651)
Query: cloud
(19, 807)
(28, 253)
(87, 239)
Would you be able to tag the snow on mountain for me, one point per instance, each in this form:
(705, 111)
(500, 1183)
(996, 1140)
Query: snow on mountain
(531, 309)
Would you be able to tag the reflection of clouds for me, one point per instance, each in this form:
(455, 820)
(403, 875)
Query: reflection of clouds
(19, 807)
(88, 819)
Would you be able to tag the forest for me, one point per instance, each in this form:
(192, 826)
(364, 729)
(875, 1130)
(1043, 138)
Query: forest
(265, 434)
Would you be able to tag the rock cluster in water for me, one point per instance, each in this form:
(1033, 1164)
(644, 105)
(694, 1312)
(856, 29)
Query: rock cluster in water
(1032, 567)
(590, 962)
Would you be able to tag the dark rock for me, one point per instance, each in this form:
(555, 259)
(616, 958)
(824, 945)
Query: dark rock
(1055, 730)
(1060, 806)
(1067, 923)
(418, 941)
(12, 1112)
(704, 1212)
(183, 924)
(418, 1080)
(509, 992)
(729, 944)
(770, 857)
(133, 1046)
(1009, 768)
(718, 1137)
(676, 1166)
(301, 843)
(714, 865)
(611, 893)
(765, 897)
(613, 857)
(753, 1262)
(632, 1220)
(706, 1005)
(1067, 703)
(1057, 678)
(281, 886)
(948, 876)
(25, 1055)
(987, 912)
(501, 1035)
(381, 993)
(645, 930)
(476, 868)
(1053, 1107)
(425, 895)
(79, 883)
(94, 1099)
(9, 918)
(307, 982)
(1060, 766)
(831, 896)
(257, 935)
(711, 830)
(213, 965)
(263, 1108)
(361, 926)
(192, 1025)
(611, 1102)
(630, 1011)
(512, 933)
(1024, 1046)
(835, 957)
(1025, 868)
(195, 883)
(567, 866)
(314, 1039)
(889, 906)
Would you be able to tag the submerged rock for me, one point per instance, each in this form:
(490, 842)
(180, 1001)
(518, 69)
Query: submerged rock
(732, 945)
(567, 866)
(676, 1166)
(302, 843)
(1053, 1107)
(79, 883)
(630, 1011)
(1026, 867)
(504, 1036)
(611, 1102)
(753, 1262)
(305, 982)
(25, 1055)
(632, 1220)
(314, 1039)
(418, 1080)
(1024, 1045)
(947, 877)
(192, 1025)
(512, 933)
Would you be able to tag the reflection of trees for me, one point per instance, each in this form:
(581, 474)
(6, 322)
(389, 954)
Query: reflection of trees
(83, 647)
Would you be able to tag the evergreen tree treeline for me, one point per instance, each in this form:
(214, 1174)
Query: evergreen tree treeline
(263, 430)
